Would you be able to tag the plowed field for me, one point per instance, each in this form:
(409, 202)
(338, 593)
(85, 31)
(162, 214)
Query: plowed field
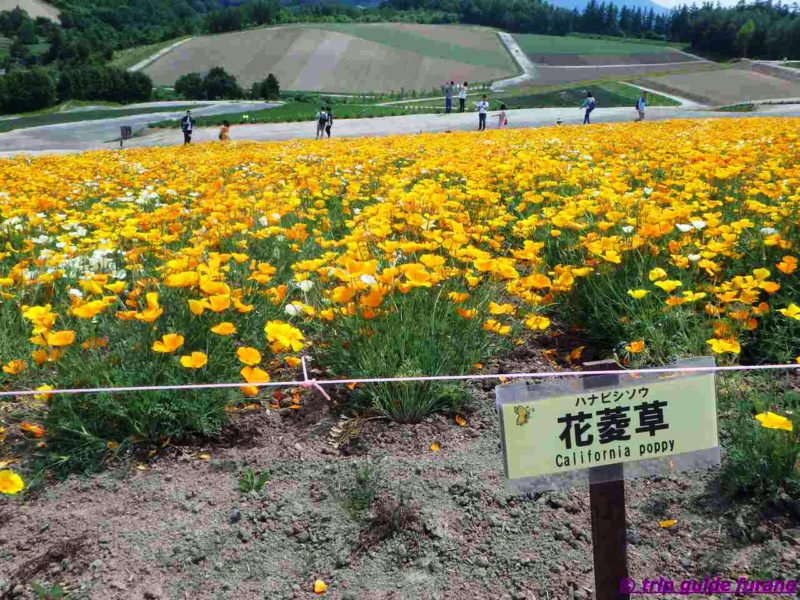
(334, 60)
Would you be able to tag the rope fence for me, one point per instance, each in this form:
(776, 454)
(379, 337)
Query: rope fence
(317, 384)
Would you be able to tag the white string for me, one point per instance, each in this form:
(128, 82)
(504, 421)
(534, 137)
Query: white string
(319, 383)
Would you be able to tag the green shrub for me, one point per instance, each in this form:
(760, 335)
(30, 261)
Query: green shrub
(421, 335)
(81, 427)
(760, 460)
(250, 481)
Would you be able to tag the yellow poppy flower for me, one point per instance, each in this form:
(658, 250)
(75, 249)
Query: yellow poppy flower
(195, 360)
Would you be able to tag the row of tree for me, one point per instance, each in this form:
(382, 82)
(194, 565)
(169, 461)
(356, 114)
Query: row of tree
(761, 29)
(79, 49)
(218, 84)
(23, 90)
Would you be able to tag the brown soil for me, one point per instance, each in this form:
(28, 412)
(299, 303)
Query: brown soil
(469, 37)
(440, 525)
(728, 86)
(563, 60)
(548, 75)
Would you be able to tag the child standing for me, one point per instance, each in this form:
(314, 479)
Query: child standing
(502, 121)
(483, 107)
(223, 131)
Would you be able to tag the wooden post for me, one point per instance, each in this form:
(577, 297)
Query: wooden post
(607, 505)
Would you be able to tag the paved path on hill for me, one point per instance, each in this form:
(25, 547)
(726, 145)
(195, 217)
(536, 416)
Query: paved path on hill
(522, 60)
(87, 135)
(38, 142)
(154, 57)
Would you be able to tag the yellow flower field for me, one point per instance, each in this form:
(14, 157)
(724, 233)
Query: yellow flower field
(409, 254)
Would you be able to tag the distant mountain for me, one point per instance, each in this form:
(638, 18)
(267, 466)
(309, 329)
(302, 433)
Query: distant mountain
(644, 4)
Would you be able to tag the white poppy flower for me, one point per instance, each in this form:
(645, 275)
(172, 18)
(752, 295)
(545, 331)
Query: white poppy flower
(305, 285)
(694, 257)
(627, 228)
(684, 227)
(698, 224)
(368, 279)
(769, 230)
(292, 310)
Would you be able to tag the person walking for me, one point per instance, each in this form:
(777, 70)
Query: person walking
(483, 107)
(322, 121)
(224, 130)
(462, 96)
(502, 121)
(187, 124)
(330, 122)
(641, 103)
(447, 89)
(588, 104)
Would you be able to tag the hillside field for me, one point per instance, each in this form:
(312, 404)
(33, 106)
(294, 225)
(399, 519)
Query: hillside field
(725, 86)
(345, 58)
(34, 8)
(565, 60)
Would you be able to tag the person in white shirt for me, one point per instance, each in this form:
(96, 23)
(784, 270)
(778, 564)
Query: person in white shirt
(483, 107)
(322, 121)
(462, 96)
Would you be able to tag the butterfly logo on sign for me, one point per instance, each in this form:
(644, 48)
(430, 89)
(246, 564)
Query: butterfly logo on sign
(523, 415)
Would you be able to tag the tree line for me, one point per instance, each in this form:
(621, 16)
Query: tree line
(77, 51)
(218, 84)
(24, 90)
(761, 29)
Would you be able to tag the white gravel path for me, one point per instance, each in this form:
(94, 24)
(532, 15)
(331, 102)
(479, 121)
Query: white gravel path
(23, 143)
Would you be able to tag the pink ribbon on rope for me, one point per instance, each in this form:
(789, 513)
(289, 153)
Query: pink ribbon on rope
(311, 382)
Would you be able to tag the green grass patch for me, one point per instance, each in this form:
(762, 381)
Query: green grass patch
(637, 41)
(408, 40)
(792, 65)
(39, 49)
(744, 107)
(300, 111)
(607, 94)
(760, 460)
(55, 118)
(551, 44)
(125, 59)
